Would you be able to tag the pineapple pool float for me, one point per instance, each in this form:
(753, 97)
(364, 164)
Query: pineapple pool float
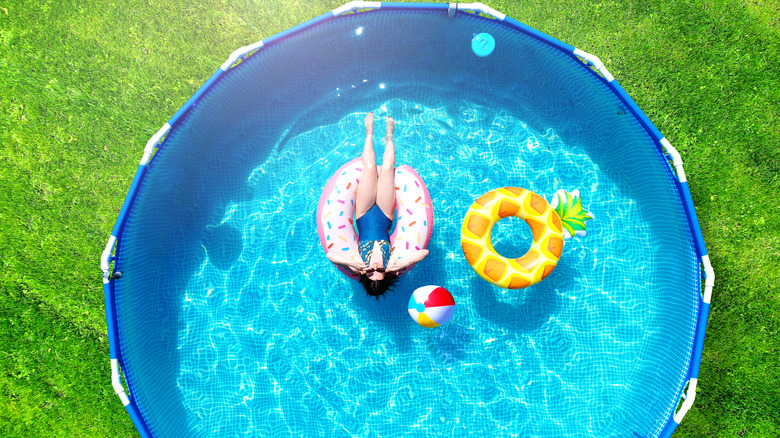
(550, 224)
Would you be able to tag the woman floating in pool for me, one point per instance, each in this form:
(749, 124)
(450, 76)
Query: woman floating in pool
(375, 260)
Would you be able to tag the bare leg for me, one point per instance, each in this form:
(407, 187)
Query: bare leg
(366, 191)
(385, 192)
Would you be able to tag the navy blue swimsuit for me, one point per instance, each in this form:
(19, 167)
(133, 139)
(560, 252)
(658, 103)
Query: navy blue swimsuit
(374, 226)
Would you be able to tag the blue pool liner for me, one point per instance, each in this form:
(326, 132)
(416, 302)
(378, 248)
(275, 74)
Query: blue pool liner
(358, 7)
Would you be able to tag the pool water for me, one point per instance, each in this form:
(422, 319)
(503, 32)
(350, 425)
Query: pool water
(284, 341)
(254, 332)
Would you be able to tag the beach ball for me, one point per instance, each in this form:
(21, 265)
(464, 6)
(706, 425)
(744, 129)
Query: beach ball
(431, 306)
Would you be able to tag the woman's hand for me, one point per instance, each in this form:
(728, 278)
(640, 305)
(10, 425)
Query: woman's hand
(354, 264)
(357, 266)
(394, 265)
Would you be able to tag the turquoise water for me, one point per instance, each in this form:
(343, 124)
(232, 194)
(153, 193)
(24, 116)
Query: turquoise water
(285, 342)
(233, 323)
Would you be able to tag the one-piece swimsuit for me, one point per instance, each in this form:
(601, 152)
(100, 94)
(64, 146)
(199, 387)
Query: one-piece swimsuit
(374, 226)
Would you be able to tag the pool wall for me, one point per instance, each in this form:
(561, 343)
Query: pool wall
(597, 68)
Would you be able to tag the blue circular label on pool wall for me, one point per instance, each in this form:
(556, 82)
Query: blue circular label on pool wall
(483, 44)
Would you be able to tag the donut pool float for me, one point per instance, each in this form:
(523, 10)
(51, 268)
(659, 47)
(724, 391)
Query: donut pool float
(336, 214)
(550, 224)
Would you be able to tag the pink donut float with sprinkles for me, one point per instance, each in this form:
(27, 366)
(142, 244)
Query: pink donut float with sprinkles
(336, 214)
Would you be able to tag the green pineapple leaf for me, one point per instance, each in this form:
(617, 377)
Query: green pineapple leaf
(573, 215)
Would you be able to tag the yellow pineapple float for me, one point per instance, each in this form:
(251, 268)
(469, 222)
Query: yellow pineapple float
(550, 225)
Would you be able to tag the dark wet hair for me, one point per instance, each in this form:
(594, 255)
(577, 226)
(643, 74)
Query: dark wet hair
(377, 288)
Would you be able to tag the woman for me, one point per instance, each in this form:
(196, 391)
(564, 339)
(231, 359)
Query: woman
(374, 214)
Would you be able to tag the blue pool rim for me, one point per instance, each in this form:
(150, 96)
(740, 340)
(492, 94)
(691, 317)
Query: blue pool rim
(473, 9)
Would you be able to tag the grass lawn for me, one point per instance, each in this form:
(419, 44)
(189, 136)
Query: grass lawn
(83, 85)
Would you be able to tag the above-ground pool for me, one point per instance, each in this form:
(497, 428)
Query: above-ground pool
(228, 319)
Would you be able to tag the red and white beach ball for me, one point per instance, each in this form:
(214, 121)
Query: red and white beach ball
(431, 306)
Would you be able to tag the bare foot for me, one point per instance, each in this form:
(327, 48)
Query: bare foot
(370, 123)
(390, 127)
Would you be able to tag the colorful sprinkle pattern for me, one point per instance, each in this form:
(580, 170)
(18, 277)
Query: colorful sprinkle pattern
(336, 212)
(545, 225)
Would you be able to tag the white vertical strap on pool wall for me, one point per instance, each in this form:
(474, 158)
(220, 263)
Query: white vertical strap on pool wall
(151, 145)
(105, 259)
(239, 53)
(676, 160)
(688, 402)
(595, 62)
(479, 7)
(709, 280)
(116, 382)
(351, 6)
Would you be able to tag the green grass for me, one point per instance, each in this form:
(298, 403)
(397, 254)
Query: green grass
(83, 85)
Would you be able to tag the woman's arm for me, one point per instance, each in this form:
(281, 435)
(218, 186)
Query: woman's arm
(353, 265)
(415, 257)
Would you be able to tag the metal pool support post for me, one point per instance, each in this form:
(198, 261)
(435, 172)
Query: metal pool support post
(476, 9)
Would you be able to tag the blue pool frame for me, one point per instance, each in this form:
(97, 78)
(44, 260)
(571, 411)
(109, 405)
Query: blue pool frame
(597, 68)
